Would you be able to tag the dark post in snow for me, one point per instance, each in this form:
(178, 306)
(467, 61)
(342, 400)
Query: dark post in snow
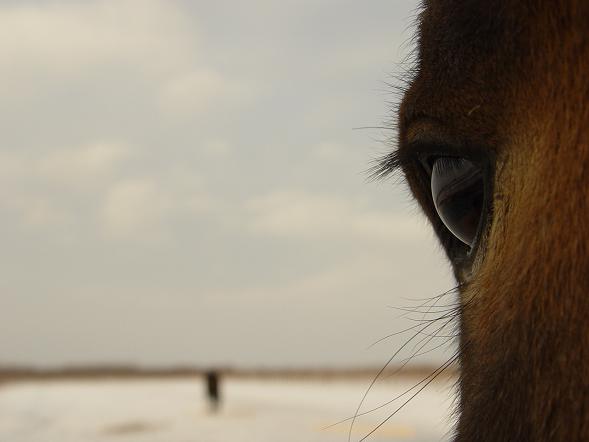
(213, 389)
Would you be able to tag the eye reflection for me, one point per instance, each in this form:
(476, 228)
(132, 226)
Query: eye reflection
(458, 194)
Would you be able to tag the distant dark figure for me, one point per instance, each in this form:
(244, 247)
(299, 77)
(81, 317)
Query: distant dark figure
(213, 393)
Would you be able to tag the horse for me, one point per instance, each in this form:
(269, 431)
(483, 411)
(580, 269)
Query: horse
(493, 141)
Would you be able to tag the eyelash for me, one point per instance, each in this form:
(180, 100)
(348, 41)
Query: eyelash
(391, 164)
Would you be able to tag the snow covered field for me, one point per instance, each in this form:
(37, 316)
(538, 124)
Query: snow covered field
(175, 410)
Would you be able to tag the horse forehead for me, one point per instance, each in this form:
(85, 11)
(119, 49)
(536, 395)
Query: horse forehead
(454, 25)
(474, 56)
(464, 51)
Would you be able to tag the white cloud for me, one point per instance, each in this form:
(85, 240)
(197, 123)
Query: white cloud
(14, 165)
(328, 151)
(91, 186)
(141, 77)
(217, 147)
(55, 190)
(72, 166)
(143, 209)
(61, 37)
(343, 306)
(87, 162)
(42, 213)
(194, 89)
(304, 215)
(152, 45)
(199, 90)
(353, 275)
(134, 208)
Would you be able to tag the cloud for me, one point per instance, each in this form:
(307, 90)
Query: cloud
(43, 190)
(134, 206)
(87, 162)
(329, 151)
(38, 212)
(134, 122)
(144, 209)
(71, 166)
(216, 148)
(62, 37)
(116, 60)
(343, 306)
(315, 216)
(199, 90)
(97, 187)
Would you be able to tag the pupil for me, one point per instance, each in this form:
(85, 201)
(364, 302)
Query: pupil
(458, 195)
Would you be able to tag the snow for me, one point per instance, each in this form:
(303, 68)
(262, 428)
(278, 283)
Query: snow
(175, 410)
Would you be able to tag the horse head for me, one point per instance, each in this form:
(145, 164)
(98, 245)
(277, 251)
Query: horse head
(494, 144)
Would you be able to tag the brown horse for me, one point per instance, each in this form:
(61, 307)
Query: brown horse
(494, 143)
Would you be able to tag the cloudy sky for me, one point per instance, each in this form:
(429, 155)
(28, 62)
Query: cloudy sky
(182, 182)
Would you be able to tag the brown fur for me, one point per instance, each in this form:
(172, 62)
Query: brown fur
(512, 77)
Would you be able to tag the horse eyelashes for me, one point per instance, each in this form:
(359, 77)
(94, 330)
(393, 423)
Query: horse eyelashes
(458, 193)
(457, 189)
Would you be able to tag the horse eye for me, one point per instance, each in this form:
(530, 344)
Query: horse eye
(458, 193)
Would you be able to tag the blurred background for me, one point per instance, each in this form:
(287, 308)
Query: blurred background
(184, 188)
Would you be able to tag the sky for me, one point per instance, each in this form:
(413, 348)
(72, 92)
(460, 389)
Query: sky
(185, 182)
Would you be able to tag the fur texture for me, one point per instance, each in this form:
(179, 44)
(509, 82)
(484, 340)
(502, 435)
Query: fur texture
(511, 78)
